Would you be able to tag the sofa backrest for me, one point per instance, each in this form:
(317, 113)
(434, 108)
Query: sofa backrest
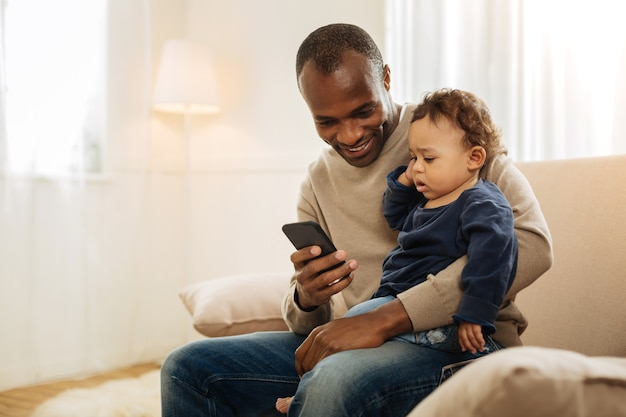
(580, 303)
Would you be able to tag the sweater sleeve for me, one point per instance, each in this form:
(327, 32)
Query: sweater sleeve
(300, 321)
(434, 302)
(487, 225)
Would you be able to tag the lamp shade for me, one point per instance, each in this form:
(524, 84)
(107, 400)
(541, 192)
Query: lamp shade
(186, 80)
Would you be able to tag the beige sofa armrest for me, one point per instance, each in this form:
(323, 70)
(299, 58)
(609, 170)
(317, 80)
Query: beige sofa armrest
(532, 381)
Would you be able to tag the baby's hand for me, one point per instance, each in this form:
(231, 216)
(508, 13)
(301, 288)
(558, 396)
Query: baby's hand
(406, 178)
(471, 337)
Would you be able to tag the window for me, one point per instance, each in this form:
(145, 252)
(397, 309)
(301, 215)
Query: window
(54, 88)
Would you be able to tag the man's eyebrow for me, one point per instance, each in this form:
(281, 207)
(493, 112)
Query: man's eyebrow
(321, 118)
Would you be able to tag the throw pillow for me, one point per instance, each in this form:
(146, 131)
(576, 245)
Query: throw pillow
(237, 304)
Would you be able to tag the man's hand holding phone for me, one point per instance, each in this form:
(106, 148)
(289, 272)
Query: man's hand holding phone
(320, 269)
(316, 283)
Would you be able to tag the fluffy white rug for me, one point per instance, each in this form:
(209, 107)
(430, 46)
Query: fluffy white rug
(128, 397)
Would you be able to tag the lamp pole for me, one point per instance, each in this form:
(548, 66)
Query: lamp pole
(186, 84)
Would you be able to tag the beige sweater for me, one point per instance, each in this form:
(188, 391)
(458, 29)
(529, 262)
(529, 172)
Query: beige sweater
(347, 202)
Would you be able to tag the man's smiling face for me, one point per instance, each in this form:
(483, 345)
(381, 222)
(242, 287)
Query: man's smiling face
(352, 109)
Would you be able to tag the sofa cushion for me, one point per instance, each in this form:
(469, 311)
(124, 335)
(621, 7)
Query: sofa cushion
(237, 304)
(578, 304)
(532, 381)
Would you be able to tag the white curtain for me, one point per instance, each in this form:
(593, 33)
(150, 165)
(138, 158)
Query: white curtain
(552, 72)
(91, 266)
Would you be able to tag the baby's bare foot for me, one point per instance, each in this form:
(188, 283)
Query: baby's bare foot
(282, 404)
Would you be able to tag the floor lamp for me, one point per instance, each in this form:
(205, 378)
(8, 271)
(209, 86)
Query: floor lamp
(186, 84)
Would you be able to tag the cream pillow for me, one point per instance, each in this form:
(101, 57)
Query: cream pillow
(532, 382)
(237, 304)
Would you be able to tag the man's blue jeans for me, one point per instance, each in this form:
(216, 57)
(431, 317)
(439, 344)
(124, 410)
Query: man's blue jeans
(243, 376)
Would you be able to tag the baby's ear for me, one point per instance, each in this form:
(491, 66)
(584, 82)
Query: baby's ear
(477, 157)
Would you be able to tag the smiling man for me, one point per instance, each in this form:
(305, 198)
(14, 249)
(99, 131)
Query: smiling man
(348, 366)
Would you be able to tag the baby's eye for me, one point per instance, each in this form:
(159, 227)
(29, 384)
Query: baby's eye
(428, 159)
(413, 158)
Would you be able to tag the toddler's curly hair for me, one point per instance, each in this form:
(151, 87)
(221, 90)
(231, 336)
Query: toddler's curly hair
(466, 111)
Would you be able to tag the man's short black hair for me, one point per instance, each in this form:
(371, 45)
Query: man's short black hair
(326, 45)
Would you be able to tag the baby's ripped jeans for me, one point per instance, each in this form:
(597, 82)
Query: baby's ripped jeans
(444, 338)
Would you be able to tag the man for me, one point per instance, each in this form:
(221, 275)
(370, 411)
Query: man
(347, 366)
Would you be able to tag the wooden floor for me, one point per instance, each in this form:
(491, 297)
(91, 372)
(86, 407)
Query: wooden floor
(22, 402)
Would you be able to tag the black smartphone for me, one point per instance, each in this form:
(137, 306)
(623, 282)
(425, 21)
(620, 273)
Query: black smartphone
(303, 234)
(309, 233)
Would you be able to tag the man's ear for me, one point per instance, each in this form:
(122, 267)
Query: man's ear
(387, 77)
(477, 157)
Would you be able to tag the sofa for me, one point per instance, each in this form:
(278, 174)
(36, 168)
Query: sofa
(573, 362)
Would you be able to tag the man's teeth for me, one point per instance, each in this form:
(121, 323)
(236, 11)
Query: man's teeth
(358, 148)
